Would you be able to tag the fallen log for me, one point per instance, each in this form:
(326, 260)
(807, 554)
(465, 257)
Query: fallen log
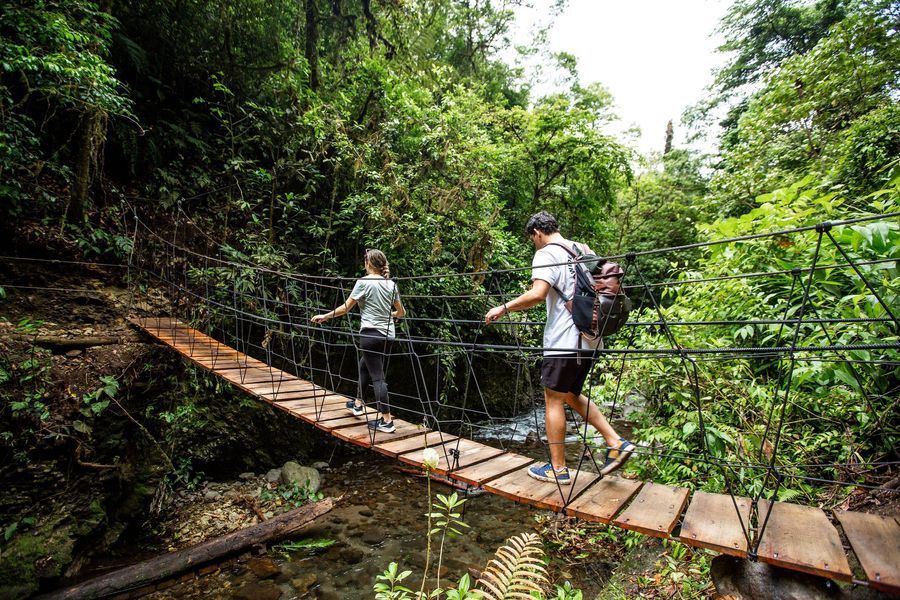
(61, 343)
(171, 564)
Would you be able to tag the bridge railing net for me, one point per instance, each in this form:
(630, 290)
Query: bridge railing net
(450, 372)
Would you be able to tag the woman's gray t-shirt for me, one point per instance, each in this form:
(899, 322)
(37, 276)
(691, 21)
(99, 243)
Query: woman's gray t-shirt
(376, 297)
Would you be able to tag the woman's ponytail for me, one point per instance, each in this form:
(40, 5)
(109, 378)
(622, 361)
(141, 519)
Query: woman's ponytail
(379, 261)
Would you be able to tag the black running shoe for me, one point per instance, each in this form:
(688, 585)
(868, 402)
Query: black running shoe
(356, 410)
(379, 425)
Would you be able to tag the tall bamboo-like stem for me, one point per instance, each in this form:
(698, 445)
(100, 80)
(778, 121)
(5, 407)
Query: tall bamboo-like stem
(428, 544)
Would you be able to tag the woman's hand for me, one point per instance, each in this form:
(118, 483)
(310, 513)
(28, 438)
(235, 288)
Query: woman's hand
(319, 319)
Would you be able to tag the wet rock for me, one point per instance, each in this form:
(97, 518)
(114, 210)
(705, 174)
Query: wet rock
(262, 590)
(212, 495)
(304, 582)
(247, 475)
(739, 579)
(367, 512)
(263, 567)
(292, 473)
(351, 555)
(372, 537)
(320, 465)
(73, 353)
(273, 476)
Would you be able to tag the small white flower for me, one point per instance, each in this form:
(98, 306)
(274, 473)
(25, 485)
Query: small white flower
(430, 458)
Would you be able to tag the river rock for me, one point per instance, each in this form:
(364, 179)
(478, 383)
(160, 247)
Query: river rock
(292, 472)
(262, 590)
(273, 476)
(739, 579)
(246, 475)
(320, 465)
(304, 582)
(263, 567)
(372, 537)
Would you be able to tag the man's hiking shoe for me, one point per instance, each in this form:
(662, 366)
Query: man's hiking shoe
(616, 457)
(546, 472)
(379, 425)
(356, 410)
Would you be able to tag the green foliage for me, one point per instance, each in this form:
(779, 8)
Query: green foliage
(827, 109)
(828, 419)
(53, 70)
(294, 495)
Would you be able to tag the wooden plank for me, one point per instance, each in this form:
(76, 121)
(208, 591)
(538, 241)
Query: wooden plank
(654, 511)
(876, 543)
(803, 539)
(332, 424)
(363, 436)
(323, 402)
(310, 412)
(252, 375)
(519, 486)
(469, 453)
(422, 440)
(267, 389)
(498, 466)
(604, 499)
(711, 521)
(307, 394)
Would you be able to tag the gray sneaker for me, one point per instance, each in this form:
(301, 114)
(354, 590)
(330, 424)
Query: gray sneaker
(379, 425)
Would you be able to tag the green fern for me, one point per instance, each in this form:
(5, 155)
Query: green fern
(516, 570)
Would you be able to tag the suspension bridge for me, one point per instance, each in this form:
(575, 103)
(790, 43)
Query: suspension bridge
(250, 325)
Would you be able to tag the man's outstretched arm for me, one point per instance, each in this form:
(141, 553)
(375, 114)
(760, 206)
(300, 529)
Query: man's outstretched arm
(533, 297)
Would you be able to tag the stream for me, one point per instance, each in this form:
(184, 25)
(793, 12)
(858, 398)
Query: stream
(379, 520)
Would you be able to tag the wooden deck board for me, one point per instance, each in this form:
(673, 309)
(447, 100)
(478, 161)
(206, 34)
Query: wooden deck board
(802, 538)
(361, 435)
(469, 453)
(496, 467)
(417, 442)
(604, 499)
(876, 542)
(519, 486)
(654, 511)
(711, 521)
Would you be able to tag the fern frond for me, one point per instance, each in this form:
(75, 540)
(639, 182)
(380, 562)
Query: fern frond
(516, 570)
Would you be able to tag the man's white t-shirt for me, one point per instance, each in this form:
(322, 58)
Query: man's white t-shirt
(555, 266)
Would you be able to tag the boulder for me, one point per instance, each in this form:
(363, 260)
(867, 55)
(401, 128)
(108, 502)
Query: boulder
(273, 476)
(292, 473)
(739, 579)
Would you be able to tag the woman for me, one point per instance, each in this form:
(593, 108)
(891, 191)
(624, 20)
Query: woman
(379, 304)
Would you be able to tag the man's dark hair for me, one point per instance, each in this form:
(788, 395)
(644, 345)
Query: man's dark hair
(543, 222)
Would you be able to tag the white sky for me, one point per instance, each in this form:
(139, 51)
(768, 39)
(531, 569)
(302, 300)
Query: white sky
(655, 56)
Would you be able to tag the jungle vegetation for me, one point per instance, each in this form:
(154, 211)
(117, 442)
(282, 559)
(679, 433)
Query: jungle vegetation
(300, 132)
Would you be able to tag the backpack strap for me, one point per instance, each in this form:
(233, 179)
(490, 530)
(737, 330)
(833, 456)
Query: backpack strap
(573, 255)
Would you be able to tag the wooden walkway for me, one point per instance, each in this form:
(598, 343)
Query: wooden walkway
(797, 537)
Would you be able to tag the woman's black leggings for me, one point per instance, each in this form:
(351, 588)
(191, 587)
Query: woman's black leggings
(375, 348)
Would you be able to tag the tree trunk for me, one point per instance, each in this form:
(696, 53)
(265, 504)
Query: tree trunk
(174, 563)
(312, 43)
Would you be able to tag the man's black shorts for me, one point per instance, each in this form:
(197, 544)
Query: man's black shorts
(565, 373)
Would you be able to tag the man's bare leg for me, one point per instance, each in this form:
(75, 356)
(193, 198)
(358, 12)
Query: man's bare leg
(588, 411)
(555, 422)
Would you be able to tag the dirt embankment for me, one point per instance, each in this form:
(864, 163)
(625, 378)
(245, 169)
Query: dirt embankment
(99, 426)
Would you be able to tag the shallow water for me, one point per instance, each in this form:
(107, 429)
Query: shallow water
(380, 519)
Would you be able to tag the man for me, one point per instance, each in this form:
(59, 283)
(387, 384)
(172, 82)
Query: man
(564, 367)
